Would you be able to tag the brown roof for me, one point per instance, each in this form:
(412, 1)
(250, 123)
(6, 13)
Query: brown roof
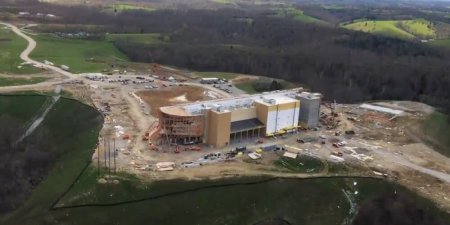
(174, 111)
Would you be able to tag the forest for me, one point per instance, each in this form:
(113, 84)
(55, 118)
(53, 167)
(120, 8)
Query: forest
(345, 65)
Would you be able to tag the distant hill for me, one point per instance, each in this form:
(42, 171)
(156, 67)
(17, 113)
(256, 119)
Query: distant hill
(158, 4)
(403, 29)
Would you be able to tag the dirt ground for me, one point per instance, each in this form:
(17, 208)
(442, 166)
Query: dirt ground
(381, 143)
(172, 96)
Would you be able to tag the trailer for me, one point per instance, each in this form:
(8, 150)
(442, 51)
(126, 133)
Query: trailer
(64, 67)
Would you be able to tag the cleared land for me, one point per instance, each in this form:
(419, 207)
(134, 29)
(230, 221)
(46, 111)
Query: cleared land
(299, 15)
(123, 7)
(79, 55)
(223, 1)
(141, 39)
(404, 29)
(11, 46)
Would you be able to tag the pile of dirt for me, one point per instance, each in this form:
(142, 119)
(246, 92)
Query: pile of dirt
(171, 96)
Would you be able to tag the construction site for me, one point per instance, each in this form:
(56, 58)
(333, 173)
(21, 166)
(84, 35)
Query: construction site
(160, 124)
(170, 121)
(166, 123)
(219, 123)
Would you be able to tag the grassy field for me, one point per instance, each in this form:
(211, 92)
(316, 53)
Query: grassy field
(299, 15)
(11, 46)
(436, 129)
(227, 201)
(20, 81)
(123, 7)
(302, 164)
(404, 29)
(221, 75)
(240, 204)
(79, 55)
(248, 87)
(419, 27)
(440, 43)
(70, 125)
(142, 39)
(226, 2)
(20, 107)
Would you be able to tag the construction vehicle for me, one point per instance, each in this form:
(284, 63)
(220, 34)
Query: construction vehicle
(150, 129)
(177, 149)
(330, 121)
(350, 132)
(339, 144)
(146, 137)
(337, 153)
(300, 128)
(153, 148)
(192, 148)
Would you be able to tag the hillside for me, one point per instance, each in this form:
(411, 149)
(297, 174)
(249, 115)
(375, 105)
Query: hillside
(79, 55)
(37, 169)
(403, 29)
(11, 46)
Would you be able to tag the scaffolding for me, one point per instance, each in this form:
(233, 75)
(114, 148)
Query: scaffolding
(181, 129)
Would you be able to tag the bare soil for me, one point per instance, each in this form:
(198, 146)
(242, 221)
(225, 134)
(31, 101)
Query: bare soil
(159, 98)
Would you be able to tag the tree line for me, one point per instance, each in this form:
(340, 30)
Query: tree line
(345, 65)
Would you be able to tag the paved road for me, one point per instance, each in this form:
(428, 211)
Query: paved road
(31, 46)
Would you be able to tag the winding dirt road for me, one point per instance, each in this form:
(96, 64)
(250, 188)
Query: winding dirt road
(31, 46)
(404, 162)
(136, 113)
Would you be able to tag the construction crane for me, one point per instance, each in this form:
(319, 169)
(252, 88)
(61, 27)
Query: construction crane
(150, 131)
(330, 121)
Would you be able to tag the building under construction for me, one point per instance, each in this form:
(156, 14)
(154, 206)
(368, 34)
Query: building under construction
(221, 122)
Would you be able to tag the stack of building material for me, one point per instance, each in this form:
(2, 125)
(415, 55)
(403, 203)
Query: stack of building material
(254, 155)
(290, 155)
(165, 166)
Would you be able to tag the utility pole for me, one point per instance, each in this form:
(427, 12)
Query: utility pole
(104, 149)
(115, 150)
(98, 158)
(109, 158)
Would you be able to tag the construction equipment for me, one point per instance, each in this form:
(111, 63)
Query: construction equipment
(337, 153)
(192, 148)
(152, 129)
(146, 137)
(350, 132)
(177, 149)
(330, 121)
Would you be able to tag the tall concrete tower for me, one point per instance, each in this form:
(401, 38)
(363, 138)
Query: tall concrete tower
(309, 109)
